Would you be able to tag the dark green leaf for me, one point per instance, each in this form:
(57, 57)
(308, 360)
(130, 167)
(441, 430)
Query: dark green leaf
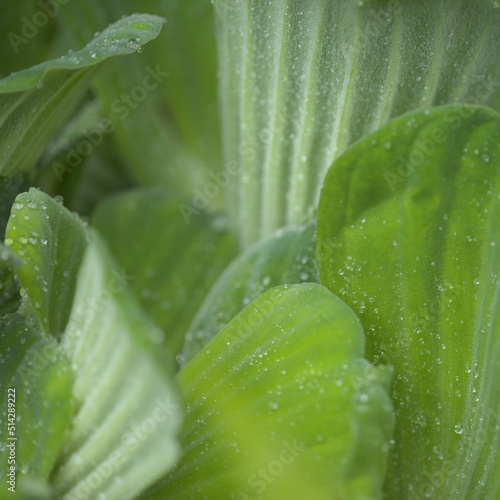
(167, 126)
(35, 384)
(25, 43)
(10, 187)
(35, 102)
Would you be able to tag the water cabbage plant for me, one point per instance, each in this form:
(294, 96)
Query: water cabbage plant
(250, 250)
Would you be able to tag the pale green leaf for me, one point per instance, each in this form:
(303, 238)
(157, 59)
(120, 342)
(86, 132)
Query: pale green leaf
(288, 256)
(123, 436)
(408, 236)
(35, 102)
(281, 405)
(301, 80)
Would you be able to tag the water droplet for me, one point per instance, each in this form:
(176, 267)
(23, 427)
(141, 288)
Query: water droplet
(134, 44)
(459, 429)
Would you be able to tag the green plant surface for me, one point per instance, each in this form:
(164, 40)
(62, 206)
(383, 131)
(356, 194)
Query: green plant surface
(263, 385)
(128, 409)
(287, 257)
(173, 265)
(36, 229)
(36, 372)
(254, 260)
(35, 102)
(408, 236)
(172, 136)
(302, 80)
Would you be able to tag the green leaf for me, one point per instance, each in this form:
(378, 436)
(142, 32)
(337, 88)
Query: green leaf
(36, 380)
(8, 259)
(123, 435)
(16, 338)
(9, 291)
(23, 43)
(35, 102)
(81, 164)
(174, 260)
(287, 257)
(302, 80)
(10, 187)
(51, 241)
(100, 175)
(86, 121)
(281, 404)
(171, 136)
(408, 236)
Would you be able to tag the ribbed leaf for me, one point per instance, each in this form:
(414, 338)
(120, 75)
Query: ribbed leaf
(281, 405)
(35, 102)
(302, 79)
(174, 262)
(51, 241)
(408, 236)
(287, 257)
(123, 436)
